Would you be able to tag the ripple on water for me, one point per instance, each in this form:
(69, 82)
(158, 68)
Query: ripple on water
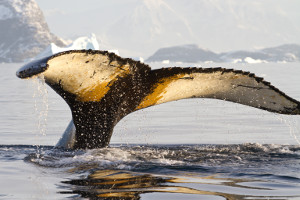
(195, 171)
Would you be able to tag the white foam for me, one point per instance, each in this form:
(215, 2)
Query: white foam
(130, 158)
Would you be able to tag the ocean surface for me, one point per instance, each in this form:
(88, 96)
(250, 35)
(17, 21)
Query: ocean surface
(189, 149)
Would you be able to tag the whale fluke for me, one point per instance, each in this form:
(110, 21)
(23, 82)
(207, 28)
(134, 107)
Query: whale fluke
(101, 88)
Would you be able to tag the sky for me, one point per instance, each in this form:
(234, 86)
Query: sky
(140, 27)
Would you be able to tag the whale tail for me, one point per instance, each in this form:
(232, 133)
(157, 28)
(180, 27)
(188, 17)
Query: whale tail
(101, 88)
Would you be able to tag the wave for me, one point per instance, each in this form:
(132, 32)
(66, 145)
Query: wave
(210, 158)
(160, 157)
(235, 171)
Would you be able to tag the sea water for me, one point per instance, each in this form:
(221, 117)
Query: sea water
(189, 149)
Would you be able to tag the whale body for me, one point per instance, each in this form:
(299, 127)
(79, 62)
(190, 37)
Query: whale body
(101, 88)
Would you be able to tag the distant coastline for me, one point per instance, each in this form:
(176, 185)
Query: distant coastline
(193, 54)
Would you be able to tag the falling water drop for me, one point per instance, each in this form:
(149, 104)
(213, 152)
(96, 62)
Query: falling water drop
(293, 125)
(40, 97)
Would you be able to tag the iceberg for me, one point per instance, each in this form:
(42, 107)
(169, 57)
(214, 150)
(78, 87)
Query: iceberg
(254, 61)
(80, 43)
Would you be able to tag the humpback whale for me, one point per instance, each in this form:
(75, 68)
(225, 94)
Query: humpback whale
(101, 88)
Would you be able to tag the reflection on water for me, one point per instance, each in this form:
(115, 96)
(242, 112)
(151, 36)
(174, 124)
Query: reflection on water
(200, 171)
(248, 171)
(115, 184)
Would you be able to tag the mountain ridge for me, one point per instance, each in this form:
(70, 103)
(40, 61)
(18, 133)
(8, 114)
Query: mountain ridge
(192, 53)
(132, 26)
(24, 31)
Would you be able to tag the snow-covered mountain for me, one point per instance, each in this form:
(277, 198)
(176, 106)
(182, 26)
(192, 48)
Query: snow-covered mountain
(148, 23)
(192, 54)
(234, 24)
(139, 27)
(23, 31)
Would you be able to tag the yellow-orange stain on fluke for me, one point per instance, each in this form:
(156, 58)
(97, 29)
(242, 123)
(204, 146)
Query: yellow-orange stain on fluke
(158, 91)
(98, 91)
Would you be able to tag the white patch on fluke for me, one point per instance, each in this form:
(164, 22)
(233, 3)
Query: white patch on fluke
(230, 86)
(84, 75)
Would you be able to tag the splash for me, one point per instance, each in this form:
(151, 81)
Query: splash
(293, 124)
(184, 157)
(41, 106)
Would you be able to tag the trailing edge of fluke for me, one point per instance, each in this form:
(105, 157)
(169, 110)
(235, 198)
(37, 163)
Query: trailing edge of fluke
(101, 88)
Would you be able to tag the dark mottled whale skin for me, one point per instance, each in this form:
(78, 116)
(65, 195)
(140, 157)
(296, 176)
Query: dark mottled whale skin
(101, 88)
